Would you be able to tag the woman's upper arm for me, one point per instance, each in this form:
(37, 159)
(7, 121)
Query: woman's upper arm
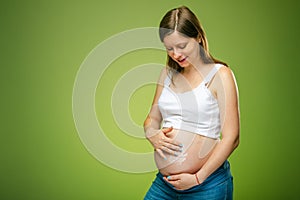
(154, 113)
(227, 95)
(160, 85)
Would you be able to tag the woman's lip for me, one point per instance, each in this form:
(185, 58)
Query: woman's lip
(182, 60)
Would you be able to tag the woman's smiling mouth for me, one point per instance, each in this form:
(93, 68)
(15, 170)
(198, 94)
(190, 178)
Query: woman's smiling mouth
(182, 60)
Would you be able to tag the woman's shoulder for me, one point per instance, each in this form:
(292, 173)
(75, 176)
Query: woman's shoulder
(225, 77)
(165, 75)
(224, 71)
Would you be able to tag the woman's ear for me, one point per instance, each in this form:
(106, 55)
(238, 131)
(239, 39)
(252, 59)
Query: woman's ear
(199, 40)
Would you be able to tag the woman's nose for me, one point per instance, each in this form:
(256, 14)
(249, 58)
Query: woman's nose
(176, 54)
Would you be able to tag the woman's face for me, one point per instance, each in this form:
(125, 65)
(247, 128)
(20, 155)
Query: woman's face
(182, 49)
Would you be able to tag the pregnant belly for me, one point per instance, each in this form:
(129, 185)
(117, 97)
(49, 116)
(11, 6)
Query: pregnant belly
(196, 150)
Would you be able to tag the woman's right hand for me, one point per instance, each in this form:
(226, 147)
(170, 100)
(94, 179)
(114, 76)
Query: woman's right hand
(163, 144)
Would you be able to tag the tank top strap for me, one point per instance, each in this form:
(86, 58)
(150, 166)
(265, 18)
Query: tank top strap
(167, 81)
(211, 74)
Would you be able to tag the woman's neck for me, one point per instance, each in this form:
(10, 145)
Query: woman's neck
(193, 67)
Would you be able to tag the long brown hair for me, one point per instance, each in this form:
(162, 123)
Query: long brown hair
(184, 21)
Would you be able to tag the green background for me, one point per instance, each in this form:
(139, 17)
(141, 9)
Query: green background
(43, 44)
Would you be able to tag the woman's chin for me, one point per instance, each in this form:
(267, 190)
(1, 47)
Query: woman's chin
(184, 64)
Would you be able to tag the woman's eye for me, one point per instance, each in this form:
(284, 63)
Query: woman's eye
(182, 47)
(169, 49)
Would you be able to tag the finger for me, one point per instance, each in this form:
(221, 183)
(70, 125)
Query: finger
(175, 183)
(167, 130)
(173, 178)
(169, 151)
(172, 147)
(172, 141)
(161, 153)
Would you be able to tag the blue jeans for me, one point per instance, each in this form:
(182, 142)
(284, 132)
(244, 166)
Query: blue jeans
(218, 186)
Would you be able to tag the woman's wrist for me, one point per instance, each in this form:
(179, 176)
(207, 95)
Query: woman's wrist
(150, 131)
(200, 177)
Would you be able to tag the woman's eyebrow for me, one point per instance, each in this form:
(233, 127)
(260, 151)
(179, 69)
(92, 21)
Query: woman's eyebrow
(181, 43)
(177, 44)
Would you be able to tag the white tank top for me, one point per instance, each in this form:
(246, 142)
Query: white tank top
(196, 111)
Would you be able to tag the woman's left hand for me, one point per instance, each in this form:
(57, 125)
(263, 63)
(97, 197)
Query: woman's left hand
(182, 181)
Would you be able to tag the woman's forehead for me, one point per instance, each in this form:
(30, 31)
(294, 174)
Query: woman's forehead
(175, 38)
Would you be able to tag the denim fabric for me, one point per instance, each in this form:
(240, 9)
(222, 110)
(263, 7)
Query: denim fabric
(218, 186)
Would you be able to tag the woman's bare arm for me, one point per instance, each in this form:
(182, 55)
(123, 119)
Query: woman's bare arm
(227, 95)
(154, 134)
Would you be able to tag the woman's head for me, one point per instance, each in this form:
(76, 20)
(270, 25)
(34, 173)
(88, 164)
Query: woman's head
(181, 31)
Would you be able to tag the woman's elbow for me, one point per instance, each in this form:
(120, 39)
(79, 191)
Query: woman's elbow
(147, 122)
(236, 140)
(232, 139)
(236, 143)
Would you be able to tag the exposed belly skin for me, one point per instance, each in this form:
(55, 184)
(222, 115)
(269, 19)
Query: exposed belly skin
(196, 151)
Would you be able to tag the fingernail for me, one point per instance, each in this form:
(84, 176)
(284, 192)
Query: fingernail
(181, 145)
(169, 177)
(165, 158)
(175, 154)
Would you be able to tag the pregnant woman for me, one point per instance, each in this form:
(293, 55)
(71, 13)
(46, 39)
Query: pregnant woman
(193, 123)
